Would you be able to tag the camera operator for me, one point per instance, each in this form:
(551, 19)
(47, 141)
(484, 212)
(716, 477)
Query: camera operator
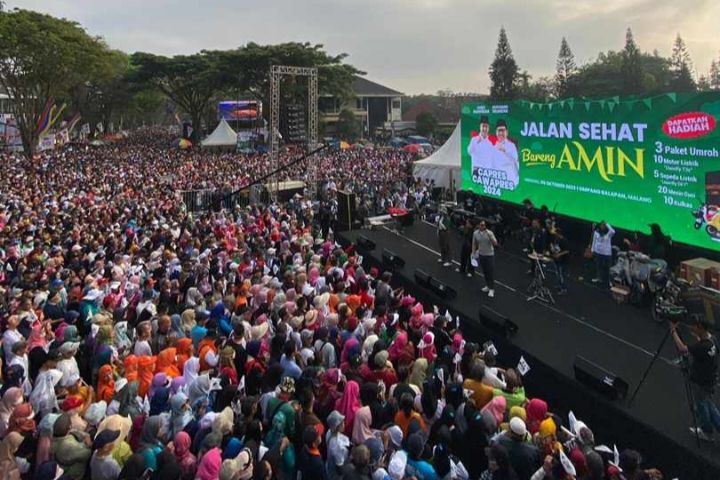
(703, 376)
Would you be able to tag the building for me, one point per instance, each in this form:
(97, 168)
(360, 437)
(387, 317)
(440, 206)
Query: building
(373, 104)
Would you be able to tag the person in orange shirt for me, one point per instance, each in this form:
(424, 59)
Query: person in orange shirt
(106, 384)
(208, 352)
(131, 368)
(146, 371)
(167, 362)
(481, 393)
(183, 349)
(406, 414)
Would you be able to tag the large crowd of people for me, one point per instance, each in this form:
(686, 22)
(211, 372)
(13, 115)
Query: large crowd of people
(141, 342)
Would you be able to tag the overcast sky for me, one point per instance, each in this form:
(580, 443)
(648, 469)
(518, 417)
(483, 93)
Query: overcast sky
(413, 46)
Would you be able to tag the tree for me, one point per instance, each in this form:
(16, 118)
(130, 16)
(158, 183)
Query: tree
(631, 69)
(540, 90)
(714, 77)
(565, 70)
(348, 126)
(190, 81)
(425, 124)
(42, 57)
(681, 66)
(503, 71)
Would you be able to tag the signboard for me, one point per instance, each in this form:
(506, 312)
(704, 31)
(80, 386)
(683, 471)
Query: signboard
(630, 162)
(239, 110)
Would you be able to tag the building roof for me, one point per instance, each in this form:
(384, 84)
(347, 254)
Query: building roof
(362, 87)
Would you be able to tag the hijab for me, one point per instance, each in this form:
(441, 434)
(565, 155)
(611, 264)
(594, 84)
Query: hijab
(9, 446)
(11, 399)
(199, 389)
(361, 426)
(176, 326)
(179, 415)
(191, 369)
(149, 436)
(106, 383)
(419, 372)
(131, 368)
(159, 401)
(166, 363)
(536, 411)
(127, 398)
(397, 347)
(496, 407)
(22, 419)
(209, 468)
(181, 445)
(349, 404)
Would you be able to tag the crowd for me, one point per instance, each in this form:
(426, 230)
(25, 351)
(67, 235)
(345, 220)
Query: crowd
(139, 342)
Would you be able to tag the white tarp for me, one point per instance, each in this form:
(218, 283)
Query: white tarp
(223, 136)
(443, 165)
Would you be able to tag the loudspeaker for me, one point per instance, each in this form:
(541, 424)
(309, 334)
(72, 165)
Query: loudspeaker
(443, 290)
(346, 209)
(422, 277)
(391, 259)
(498, 323)
(365, 243)
(596, 377)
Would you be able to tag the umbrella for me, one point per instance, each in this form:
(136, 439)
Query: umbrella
(184, 144)
(344, 146)
(412, 148)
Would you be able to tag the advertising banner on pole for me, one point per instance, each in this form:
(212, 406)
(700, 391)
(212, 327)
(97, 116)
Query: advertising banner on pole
(631, 162)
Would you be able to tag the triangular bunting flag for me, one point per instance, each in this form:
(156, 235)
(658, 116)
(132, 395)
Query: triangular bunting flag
(587, 106)
(672, 96)
(648, 102)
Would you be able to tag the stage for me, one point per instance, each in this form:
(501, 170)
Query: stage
(587, 322)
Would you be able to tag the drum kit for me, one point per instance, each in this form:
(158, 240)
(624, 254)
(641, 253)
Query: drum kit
(537, 289)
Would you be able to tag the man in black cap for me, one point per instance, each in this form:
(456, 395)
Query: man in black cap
(507, 157)
(102, 464)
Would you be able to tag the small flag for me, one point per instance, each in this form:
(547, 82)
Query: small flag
(522, 366)
(572, 422)
(490, 347)
(567, 464)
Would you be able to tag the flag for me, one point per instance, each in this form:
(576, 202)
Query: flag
(523, 366)
(73, 122)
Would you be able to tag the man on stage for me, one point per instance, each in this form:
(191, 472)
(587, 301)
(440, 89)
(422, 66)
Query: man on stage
(483, 248)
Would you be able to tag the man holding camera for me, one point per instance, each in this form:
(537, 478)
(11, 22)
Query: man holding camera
(703, 368)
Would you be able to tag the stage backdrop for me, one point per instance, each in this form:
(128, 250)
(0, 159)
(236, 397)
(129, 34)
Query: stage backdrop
(630, 162)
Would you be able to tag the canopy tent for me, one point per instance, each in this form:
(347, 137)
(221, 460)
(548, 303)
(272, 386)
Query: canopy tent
(223, 136)
(443, 165)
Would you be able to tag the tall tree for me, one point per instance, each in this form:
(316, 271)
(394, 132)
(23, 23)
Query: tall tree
(503, 71)
(565, 70)
(42, 57)
(631, 70)
(190, 81)
(348, 126)
(425, 124)
(714, 77)
(681, 66)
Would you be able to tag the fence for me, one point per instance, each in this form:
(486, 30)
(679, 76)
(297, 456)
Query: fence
(199, 201)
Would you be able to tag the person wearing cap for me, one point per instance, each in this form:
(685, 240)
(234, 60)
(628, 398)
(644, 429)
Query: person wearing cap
(310, 464)
(102, 464)
(524, 457)
(338, 444)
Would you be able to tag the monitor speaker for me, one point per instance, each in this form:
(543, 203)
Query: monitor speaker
(346, 209)
(497, 322)
(365, 243)
(599, 379)
(422, 277)
(391, 259)
(443, 290)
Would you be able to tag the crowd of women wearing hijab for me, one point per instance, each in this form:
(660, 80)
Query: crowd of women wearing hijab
(140, 342)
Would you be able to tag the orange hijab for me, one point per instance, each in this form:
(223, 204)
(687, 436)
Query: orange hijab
(106, 384)
(146, 371)
(131, 368)
(166, 363)
(205, 346)
(183, 349)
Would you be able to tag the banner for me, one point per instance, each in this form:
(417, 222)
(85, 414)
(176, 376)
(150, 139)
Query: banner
(630, 162)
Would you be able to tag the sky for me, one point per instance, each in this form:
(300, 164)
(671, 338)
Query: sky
(414, 46)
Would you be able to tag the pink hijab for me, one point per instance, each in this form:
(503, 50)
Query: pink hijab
(361, 427)
(398, 346)
(349, 404)
(496, 407)
(209, 468)
(350, 343)
(185, 459)
(536, 411)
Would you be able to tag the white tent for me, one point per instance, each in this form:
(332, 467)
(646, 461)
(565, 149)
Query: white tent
(223, 136)
(443, 165)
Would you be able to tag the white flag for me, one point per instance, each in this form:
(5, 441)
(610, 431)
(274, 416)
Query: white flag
(567, 464)
(523, 366)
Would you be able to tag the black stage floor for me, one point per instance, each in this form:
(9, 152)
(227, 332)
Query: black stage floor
(587, 322)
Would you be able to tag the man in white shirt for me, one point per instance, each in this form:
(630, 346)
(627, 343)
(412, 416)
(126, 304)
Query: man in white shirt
(507, 158)
(481, 149)
(602, 251)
